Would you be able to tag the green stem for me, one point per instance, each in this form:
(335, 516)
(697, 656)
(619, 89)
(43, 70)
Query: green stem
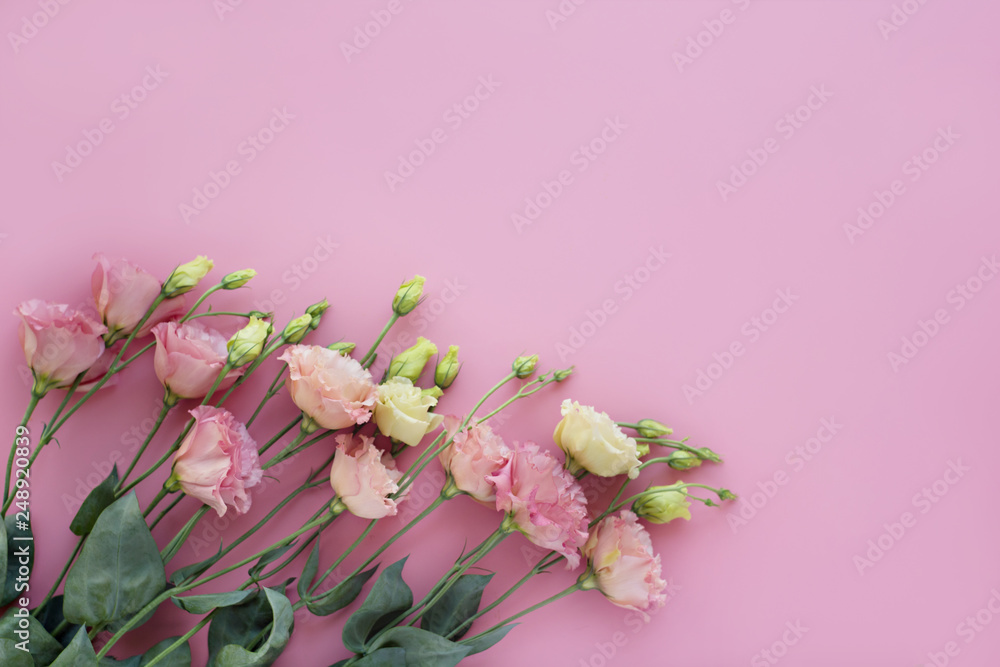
(272, 390)
(201, 299)
(212, 313)
(32, 404)
(62, 575)
(181, 640)
(280, 434)
(167, 405)
(156, 501)
(62, 404)
(166, 510)
(369, 357)
(572, 589)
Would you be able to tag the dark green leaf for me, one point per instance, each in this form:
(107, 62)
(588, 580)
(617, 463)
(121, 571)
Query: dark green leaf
(202, 604)
(340, 595)
(79, 653)
(268, 558)
(119, 569)
(112, 662)
(189, 573)
(97, 500)
(458, 604)
(178, 657)
(20, 553)
(388, 597)
(479, 644)
(309, 573)
(423, 649)
(42, 647)
(11, 656)
(51, 617)
(384, 657)
(282, 623)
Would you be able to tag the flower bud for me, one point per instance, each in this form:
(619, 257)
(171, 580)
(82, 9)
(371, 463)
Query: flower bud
(343, 348)
(297, 329)
(650, 428)
(434, 392)
(410, 362)
(708, 455)
(726, 494)
(524, 366)
(187, 276)
(237, 278)
(641, 448)
(408, 296)
(681, 460)
(247, 343)
(447, 369)
(562, 374)
(317, 310)
(260, 315)
(662, 504)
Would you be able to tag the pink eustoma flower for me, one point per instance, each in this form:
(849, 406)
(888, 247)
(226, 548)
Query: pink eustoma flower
(363, 477)
(59, 342)
(332, 390)
(124, 292)
(189, 357)
(623, 564)
(474, 455)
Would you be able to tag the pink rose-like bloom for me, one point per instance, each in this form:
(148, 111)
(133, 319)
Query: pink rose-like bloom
(59, 342)
(124, 292)
(363, 477)
(189, 358)
(473, 455)
(217, 462)
(543, 500)
(333, 390)
(621, 556)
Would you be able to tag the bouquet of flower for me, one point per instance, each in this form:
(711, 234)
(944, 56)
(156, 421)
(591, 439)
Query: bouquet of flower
(119, 574)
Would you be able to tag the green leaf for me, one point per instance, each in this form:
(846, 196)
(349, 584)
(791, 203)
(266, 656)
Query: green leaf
(97, 500)
(42, 647)
(51, 617)
(308, 573)
(20, 546)
(479, 644)
(179, 657)
(112, 662)
(202, 604)
(389, 596)
(457, 605)
(119, 569)
(189, 573)
(384, 657)
(11, 656)
(282, 623)
(79, 653)
(340, 595)
(267, 559)
(423, 648)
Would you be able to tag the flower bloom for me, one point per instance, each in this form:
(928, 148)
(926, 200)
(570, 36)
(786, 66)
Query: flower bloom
(124, 292)
(594, 442)
(189, 357)
(543, 500)
(59, 342)
(474, 455)
(624, 567)
(403, 412)
(217, 462)
(332, 390)
(363, 477)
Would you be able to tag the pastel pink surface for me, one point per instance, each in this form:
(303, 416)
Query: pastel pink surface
(585, 281)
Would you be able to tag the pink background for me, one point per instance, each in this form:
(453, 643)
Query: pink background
(500, 290)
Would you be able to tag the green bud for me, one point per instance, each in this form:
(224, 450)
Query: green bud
(434, 392)
(708, 455)
(247, 343)
(297, 329)
(410, 362)
(237, 278)
(726, 494)
(317, 310)
(641, 448)
(345, 349)
(187, 276)
(681, 460)
(447, 369)
(260, 315)
(562, 374)
(524, 366)
(650, 428)
(408, 296)
(662, 504)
